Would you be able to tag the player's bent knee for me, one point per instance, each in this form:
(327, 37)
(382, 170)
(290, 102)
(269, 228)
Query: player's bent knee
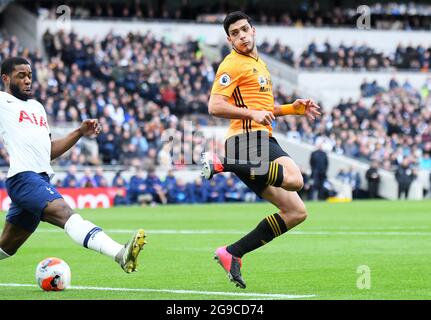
(302, 215)
(57, 213)
(299, 217)
(296, 216)
(294, 183)
(298, 183)
(63, 209)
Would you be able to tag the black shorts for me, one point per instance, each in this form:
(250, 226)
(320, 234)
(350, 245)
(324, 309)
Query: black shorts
(255, 146)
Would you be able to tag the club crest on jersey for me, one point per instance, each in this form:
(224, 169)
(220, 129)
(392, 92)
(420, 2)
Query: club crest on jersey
(23, 116)
(262, 81)
(225, 79)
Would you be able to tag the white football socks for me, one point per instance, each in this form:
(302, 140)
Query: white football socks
(91, 236)
(3, 255)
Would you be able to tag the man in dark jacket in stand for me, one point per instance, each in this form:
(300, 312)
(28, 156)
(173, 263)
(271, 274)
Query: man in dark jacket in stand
(319, 166)
(405, 176)
(373, 178)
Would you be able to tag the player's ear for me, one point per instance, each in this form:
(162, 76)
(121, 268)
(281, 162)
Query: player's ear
(5, 78)
(228, 39)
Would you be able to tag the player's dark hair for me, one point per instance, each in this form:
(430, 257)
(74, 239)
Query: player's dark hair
(234, 17)
(8, 65)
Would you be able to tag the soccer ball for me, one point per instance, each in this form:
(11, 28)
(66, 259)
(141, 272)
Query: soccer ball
(53, 274)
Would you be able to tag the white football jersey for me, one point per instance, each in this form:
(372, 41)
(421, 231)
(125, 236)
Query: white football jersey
(25, 132)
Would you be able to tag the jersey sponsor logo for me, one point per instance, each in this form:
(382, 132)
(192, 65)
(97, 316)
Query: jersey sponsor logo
(263, 89)
(23, 116)
(225, 79)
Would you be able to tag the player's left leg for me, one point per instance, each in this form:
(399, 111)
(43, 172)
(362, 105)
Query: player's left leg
(87, 234)
(12, 238)
(291, 212)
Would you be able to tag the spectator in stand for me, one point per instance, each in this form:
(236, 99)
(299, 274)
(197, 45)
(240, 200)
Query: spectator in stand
(107, 146)
(87, 181)
(179, 193)
(198, 191)
(405, 176)
(120, 198)
(343, 176)
(119, 181)
(232, 192)
(140, 142)
(220, 180)
(355, 182)
(425, 162)
(99, 178)
(373, 178)
(58, 184)
(150, 161)
(170, 181)
(155, 187)
(70, 180)
(370, 89)
(319, 166)
(214, 193)
(138, 192)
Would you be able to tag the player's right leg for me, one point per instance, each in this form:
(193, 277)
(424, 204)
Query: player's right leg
(87, 234)
(286, 175)
(12, 238)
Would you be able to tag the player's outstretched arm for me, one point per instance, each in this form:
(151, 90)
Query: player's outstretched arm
(306, 107)
(220, 107)
(88, 128)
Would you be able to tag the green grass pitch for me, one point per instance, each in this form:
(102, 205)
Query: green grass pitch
(317, 260)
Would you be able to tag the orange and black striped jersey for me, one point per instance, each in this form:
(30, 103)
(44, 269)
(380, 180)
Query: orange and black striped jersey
(247, 83)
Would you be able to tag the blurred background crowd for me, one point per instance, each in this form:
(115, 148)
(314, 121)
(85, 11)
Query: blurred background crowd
(142, 87)
(387, 15)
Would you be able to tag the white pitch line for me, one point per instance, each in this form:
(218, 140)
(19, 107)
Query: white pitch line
(208, 293)
(306, 233)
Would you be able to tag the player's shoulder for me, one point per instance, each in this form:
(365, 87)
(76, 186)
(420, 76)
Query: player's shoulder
(232, 61)
(4, 95)
(36, 103)
(262, 62)
(6, 99)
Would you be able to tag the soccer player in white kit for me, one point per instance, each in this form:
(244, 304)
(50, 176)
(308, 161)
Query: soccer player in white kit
(26, 134)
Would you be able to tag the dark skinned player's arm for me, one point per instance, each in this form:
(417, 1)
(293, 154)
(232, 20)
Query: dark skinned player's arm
(60, 146)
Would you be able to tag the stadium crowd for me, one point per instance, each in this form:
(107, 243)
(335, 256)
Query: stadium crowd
(395, 128)
(392, 15)
(356, 56)
(84, 78)
(135, 104)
